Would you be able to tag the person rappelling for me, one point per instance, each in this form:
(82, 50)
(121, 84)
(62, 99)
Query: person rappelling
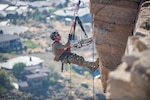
(62, 54)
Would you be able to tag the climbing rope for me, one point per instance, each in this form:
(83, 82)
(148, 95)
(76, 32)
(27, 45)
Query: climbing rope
(93, 66)
(70, 82)
(74, 16)
(71, 31)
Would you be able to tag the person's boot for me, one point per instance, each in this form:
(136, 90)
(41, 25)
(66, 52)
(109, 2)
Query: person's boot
(90, 64)
(96, 64)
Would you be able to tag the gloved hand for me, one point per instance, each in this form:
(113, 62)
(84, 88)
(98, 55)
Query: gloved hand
(70, 36)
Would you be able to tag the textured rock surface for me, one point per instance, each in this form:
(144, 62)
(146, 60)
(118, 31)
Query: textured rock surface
(131, 82)
(140, 72)
(136, 64)
(113, 22)
(122, 35)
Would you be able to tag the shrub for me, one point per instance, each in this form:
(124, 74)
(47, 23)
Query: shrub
(86, 73)
(4, 81)
(18, 68)
(84, 85)
(30, 44)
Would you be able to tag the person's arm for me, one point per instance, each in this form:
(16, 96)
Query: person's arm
(67, 45)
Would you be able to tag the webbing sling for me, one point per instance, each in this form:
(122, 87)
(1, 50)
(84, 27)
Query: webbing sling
(77, 20)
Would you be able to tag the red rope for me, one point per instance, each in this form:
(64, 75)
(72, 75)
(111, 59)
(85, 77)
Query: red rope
(73, 19)
(70, 83)
(71, 30)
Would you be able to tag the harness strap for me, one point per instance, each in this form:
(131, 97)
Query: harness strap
(77, 19)
(66, 57)
(80, 23)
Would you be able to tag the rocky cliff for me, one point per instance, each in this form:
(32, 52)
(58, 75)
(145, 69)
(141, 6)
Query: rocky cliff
(121, 32)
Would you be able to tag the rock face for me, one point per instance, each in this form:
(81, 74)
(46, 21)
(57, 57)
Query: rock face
(131, 79)
(135, 85)
(113, 23)
(122, 37)
(140, 74)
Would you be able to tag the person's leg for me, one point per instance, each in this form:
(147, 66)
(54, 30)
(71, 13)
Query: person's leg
(79, 60)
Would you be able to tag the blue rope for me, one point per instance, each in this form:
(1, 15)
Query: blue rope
(93, 66)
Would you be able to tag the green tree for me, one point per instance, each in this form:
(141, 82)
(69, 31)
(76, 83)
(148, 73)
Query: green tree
(18, 68)
(4, 81)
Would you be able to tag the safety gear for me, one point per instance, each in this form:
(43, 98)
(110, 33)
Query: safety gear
(77, 20)
(52, 35)
(70, 36)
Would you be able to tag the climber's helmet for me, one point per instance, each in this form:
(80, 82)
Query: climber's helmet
(53, 34)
